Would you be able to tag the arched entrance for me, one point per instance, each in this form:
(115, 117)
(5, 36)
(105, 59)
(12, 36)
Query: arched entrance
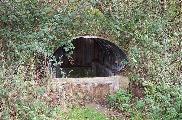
(92, 57)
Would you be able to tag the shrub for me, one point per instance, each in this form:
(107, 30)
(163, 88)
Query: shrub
(149, 31)
(164, 101)
(22, 100)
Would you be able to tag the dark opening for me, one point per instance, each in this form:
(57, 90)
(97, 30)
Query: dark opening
(92, 57)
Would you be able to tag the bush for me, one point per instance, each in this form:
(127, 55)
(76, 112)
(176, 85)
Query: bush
(149, 31)
(121, 100)
(162, 102)
(23, 100)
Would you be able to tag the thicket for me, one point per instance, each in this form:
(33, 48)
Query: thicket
(149, 31)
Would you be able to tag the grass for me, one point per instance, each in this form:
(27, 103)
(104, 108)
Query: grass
(79, 113)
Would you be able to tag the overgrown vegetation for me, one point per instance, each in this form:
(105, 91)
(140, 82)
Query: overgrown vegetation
(164, 102)
(149, 31)
(83, 114)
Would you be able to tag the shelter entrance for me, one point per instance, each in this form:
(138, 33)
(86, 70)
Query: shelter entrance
(92, 57)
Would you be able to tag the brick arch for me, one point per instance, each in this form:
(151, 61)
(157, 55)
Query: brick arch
(92, 57)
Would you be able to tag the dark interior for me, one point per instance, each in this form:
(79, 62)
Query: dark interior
(92, 57)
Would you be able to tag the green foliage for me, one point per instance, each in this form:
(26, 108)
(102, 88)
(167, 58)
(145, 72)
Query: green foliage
(149, 31)
(121, 100)
(23, 100)
(154, 35)
(162, 102)
(83, 114)
(37, 27)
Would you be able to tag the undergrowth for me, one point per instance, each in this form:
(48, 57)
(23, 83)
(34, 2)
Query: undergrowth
(83, 114)
(163, 102)
(149, 32)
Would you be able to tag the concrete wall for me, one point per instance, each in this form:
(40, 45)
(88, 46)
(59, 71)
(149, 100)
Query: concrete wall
(88, 89)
